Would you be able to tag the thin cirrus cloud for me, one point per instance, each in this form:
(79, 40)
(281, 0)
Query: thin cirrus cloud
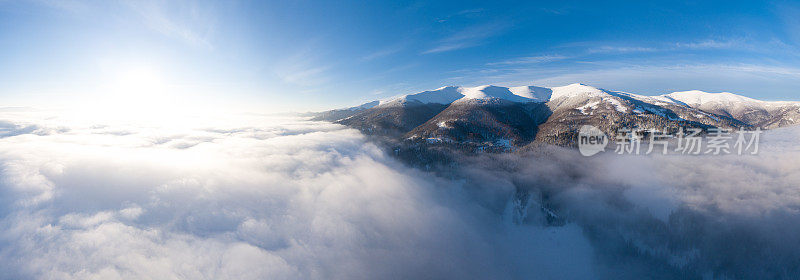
(608, 49)
(64, 5)
(466, 38)
(708, 44)
(789, 14)
(531, 60)
(191, 22)
(382, 53)
(304, 67)
(304, 76)
(620, 49)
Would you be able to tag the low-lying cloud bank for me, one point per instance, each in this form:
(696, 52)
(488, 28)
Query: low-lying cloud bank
(668, 217)
(257, 197)
(254, 198)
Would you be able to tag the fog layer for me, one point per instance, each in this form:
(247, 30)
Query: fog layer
(255, 197)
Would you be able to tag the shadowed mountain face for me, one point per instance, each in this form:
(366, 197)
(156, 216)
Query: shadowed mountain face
(500, 118)
(504, 123)
(393, 119)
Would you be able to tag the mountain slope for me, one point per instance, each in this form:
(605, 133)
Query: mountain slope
(338, 114)
(394, 118)
(758, 113)
(487, 122)
(575, 105)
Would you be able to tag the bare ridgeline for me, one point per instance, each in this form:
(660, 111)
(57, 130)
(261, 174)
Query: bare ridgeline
(425, 127)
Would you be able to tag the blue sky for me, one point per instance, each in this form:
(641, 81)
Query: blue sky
(311, 55)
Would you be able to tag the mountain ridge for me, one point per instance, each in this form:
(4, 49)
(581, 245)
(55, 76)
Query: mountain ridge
(513, 117)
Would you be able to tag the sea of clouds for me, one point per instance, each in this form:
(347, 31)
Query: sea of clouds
(277, 197)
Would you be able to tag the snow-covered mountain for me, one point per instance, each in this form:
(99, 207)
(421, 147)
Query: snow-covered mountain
(338, 114)
(495, 116)
(442, 95)
(766, 114)
(450, 94)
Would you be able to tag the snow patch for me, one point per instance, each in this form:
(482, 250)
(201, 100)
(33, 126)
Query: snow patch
(591, 105)
(617, 105)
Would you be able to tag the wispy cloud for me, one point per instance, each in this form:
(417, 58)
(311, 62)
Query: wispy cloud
(466, 38)
(583, 54)
(531, 60)
(559, 11)
(468, 13)
(382, 53)
(709, 44)
(303, 68)
(303, 75)
(789, 13)
(620, 49)
(190, 21)
(185, 20)
(64, 5)
(706, 44)
(450, 47)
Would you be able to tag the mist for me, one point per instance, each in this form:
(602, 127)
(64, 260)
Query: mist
(256, 196)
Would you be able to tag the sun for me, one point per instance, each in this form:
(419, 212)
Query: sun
(138, 83)
(141, 92)
(133, 91)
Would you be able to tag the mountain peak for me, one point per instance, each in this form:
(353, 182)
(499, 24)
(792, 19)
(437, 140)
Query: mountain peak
(442, 95)
(539, 94)
(490, 92)
(697, 97)
(576, 90)
(445, 88)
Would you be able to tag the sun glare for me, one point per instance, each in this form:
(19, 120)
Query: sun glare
(141, 93)
(139, 83)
